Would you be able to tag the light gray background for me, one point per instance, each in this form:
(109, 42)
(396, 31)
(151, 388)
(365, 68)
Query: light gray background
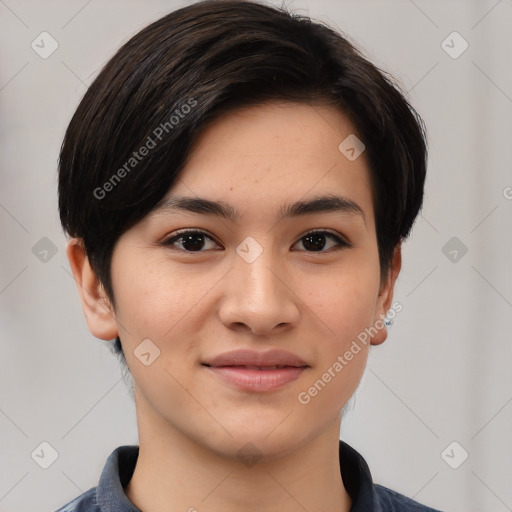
(444, 373)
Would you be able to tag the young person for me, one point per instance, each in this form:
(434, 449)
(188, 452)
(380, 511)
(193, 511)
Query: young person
(236, 184)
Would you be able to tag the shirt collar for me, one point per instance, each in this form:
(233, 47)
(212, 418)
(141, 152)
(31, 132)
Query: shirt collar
(120, 466)
(116, 474)
(357, 480)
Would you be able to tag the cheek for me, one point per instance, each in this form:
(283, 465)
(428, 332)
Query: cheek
(154, 299)
(156, 302)
(344, 300)
(345, 310)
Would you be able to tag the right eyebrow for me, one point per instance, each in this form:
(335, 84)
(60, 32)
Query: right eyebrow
(319, 204)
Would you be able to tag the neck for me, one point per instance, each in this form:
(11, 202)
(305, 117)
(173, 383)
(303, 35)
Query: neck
(175, 473)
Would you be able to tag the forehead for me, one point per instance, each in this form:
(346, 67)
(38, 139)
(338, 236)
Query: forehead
(275, 127)
(274, 153)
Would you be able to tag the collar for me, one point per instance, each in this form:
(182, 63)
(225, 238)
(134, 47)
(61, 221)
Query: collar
(121, 463)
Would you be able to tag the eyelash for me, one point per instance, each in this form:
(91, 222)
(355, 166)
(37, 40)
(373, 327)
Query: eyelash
(340, 243)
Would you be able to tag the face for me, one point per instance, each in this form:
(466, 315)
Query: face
(252, 314)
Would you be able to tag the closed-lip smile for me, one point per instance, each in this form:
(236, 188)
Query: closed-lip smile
(255, 371)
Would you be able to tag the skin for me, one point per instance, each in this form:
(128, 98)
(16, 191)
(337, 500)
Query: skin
(196, 305)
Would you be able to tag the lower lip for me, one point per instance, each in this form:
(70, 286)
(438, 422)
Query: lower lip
(257, 380)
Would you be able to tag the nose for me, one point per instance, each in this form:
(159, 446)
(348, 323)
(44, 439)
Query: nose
(259, 297)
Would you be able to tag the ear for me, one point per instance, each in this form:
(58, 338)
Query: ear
(385, 297)
(98, 310)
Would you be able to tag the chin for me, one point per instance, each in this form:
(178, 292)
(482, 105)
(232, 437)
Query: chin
(249, 448)
(257, 440)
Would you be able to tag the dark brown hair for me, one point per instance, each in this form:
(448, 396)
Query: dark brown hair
(193, 65)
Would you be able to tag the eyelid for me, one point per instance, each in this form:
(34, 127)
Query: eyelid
(185, 231)
(341, 240)
(335, 234)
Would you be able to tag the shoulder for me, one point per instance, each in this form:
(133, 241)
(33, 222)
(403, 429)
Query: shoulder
(86, 502)
(392, 501)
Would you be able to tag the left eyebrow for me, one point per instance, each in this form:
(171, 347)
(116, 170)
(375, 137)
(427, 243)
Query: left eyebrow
(319, 204)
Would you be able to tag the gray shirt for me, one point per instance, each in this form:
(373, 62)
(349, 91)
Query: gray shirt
(109, 495)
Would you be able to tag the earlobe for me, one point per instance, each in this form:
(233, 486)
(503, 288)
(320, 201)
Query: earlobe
(97, 308)
(385, 297)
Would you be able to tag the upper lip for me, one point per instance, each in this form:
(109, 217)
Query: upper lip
(254, 358)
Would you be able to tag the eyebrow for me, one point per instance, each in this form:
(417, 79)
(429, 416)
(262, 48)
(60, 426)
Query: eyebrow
(318, 204)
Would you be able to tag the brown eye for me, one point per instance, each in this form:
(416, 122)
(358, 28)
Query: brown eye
(199, 241)
(315, 241)
(189, 241)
